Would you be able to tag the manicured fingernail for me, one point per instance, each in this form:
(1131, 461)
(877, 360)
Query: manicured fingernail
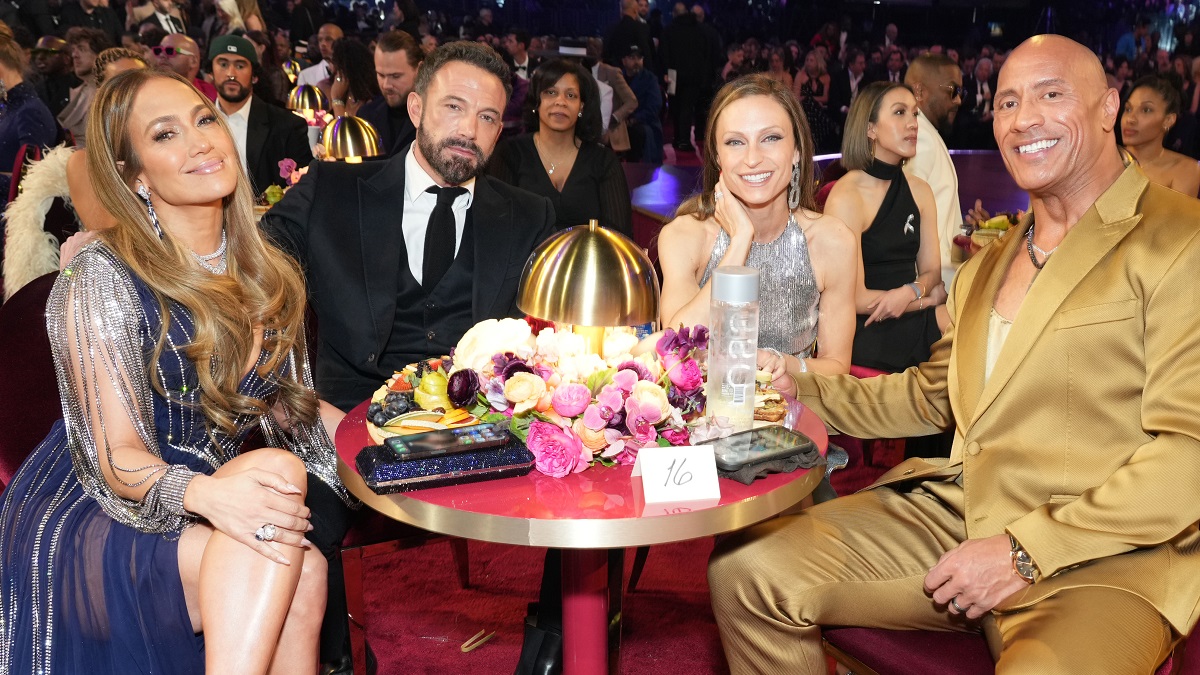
(283, 561)
(310, 527)
(307, 543)
(293, 488)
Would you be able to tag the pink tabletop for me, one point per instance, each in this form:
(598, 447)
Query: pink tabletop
(601, 507)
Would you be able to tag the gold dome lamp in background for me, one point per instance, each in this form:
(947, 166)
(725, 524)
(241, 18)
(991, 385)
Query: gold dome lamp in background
(351, 139)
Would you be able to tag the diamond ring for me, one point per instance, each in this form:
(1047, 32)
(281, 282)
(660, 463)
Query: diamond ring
(265, 533)
(954, 602)
(718, 194)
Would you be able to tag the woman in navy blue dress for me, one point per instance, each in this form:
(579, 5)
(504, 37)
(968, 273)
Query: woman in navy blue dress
(139, 537)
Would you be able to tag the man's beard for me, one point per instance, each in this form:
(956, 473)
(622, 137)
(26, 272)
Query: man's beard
(242, 92)
(454, 169)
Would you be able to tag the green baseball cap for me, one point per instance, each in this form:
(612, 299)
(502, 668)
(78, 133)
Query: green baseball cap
(233, 44)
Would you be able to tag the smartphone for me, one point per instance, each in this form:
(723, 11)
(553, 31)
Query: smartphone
(758, 445)
(448, 441)
(384, 473)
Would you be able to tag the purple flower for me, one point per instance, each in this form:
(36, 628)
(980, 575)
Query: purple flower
(495, 394)
(509, 365)
(683, 341)
(570, 400)
(639, 420)
(636, 367)
(543, 371)
(557, 452)
(688, 401)
(286, 167)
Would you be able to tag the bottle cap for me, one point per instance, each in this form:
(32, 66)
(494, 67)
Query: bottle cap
(735, 284)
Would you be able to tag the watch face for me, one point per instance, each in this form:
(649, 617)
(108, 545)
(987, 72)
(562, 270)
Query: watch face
(1025, 565)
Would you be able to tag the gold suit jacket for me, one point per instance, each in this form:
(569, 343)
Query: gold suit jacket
(1084, 443)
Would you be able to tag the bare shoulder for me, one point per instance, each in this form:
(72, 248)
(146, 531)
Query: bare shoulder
(684, 238)
(827, 236)
(919, 186)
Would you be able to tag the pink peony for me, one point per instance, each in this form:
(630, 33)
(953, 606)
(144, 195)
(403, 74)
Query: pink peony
(557, 452)
(570, 400)
(684, 374)
(677, 436)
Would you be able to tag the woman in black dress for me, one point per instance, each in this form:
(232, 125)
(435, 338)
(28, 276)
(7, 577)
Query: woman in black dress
(561, 157)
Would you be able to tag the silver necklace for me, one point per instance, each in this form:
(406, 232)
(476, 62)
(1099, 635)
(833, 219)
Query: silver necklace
(1031, 247)
(218, 255)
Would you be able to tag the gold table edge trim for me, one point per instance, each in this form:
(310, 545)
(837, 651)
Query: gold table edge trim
(581, 533)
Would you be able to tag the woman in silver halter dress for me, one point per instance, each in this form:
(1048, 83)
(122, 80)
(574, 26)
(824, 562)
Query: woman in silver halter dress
(139, 536)
(756, 210)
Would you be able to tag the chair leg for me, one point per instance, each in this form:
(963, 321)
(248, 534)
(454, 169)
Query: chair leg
(639, 564)
(352, 570)
(462, 561)
(616, 575)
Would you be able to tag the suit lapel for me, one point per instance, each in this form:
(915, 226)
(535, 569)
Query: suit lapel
(971, 333)
(1104, 225)
(380, 219)
(257, 128)
(492, 222)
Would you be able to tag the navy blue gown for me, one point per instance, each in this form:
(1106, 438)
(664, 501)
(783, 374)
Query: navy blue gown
(81, 591)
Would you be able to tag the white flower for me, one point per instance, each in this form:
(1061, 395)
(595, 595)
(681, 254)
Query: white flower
(552, 345)
(618, 343)
(488, 338)
(580, 367)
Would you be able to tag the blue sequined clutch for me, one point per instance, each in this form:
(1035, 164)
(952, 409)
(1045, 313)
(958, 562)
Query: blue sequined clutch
(386, 473)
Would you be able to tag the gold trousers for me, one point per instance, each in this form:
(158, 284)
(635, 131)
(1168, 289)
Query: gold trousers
(861, 560)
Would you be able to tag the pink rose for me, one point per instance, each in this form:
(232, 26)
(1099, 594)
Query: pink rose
(684, 374)
(677, 436)
(570, 400)
(557, 452)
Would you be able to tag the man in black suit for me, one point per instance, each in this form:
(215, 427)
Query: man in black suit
(629, 30)
(263, 133)
(845, 84)
(397, 59)
(92, 14)
(403, 256)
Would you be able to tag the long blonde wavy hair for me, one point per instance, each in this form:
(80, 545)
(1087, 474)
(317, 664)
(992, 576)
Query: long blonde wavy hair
(262, 286)
(703, 205)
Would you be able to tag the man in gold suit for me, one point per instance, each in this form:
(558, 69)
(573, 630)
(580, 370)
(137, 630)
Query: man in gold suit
(1064, 523)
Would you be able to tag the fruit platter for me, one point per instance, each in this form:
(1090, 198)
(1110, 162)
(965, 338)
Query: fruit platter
(415, 400)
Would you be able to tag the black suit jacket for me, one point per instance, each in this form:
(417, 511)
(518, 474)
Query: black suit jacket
(103, 19)
(392, 138)
(342, 222)
(272, 135)
(839, 91)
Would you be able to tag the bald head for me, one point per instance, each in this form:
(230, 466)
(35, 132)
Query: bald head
(1054, 120)
(328, 34)
(184, 56)
(629, 8)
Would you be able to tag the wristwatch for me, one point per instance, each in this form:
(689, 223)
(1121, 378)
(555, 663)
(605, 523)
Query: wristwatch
(1023, 565)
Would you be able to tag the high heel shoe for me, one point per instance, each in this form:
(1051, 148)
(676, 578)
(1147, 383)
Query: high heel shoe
(541, 650)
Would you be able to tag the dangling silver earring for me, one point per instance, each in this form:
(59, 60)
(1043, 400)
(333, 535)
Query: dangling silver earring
(794, 188)
(3, 92)
(144, 193)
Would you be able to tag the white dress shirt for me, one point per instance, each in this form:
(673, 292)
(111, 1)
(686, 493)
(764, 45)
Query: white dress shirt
(165, 21)
(418, 206)
(606, 100)
(313, 74)
(522, 69)
(239, 124)
(933, 164)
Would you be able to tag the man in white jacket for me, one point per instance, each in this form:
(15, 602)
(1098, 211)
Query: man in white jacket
(936, 82)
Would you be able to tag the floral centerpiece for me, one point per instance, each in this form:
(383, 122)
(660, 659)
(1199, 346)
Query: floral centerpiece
(573, 408)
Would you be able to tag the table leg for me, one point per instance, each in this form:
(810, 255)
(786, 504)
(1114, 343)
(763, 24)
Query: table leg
(585, 611)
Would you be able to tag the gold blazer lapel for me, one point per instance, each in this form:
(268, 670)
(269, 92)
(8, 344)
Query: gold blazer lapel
(1103, 226)
(971, 330)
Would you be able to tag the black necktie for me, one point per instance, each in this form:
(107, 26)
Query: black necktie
(439, 237)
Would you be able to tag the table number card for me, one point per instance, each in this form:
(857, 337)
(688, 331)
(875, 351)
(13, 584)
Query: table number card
(677, 474)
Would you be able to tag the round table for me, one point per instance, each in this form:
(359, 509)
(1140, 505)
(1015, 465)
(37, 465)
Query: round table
(585, 514)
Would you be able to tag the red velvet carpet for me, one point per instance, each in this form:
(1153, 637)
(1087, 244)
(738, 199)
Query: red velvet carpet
(418, 616)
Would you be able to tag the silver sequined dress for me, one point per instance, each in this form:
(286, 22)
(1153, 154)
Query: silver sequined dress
(788, 293)
(89, 581)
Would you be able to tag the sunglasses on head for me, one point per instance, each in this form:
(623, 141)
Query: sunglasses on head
(169, 51)
(956, 91)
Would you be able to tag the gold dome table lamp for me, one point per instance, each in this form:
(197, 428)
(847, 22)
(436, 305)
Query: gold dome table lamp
(305, 100)
(351, 139)
(592, 278)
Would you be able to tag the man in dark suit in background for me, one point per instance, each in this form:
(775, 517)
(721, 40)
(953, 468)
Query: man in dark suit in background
(629, 30)
(397, 59)
(92, 14)
(403, 256)
(263, 133)
(844, 85)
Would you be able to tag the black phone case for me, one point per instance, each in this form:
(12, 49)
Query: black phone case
(802, 444)
(385, 473)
